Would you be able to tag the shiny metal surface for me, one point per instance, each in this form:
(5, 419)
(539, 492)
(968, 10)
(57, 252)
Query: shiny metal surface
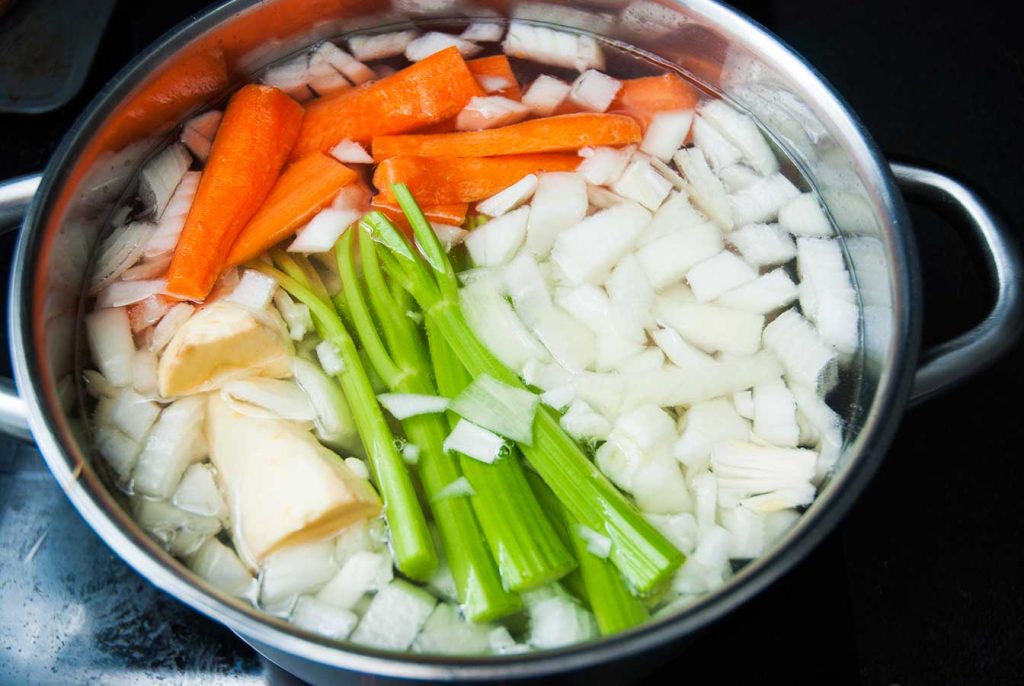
(15, 196)
(951, 362)
(197, 63)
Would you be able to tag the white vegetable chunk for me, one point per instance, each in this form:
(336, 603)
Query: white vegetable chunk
(295, 570)
(717, 275)
(324, 230)
(550, 46)
(703, 426)
(602, 166)
(711, 327)
(718, 151)
(291, 76)
(435, 41)
(483, 32)
(474, 441)
(321, 618)
(582, 422)
(490, 112)
(183, 533)
(680, 529)
(218, 565)
(169, 326)
(681, 353)
(110, 341)
(198, 493)
(803, 216)
(405, 405)
(381, 45)
(268, 399)
(121, 293)
(545, 94)
(324, 77)
(641, 183)
(827, 297)
(706, 191)
(767, 293)
(744, 404)
(499, 328)
(353, 70)
(674, 214)
(746, 532)
(558, 621)
(762, 201)
(509, 199)
(705, 493)
(761, 477)
(763, 245)
(598, 545)
(498, 407)
(588, 303)
(198, 132)
(129, 413)
(394, 617)
(775, 414)
(807, 359)
(559, 202)
(448, 633)
(329, 357)
(364, 571)
(741, 131)
(255, 290)
(631, 298)
(350, 152)
(163, 240)
(724, 378)
(665, 133)
(594, 90)
(601, 198)
(161, 176)
(175, 442)
(736, 177)
(588, 250)
(827, 424)
(494, 243)
(144, 373)
(119, 451)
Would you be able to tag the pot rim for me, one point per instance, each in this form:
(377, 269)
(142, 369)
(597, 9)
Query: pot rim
(120, 533)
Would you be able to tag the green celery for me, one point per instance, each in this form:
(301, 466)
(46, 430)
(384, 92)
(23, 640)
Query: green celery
(643, 556)
(403, 365)
(413, 547)
(521, 537)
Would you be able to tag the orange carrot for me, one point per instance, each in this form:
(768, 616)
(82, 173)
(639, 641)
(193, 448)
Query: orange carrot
(444, 180)
(454, 214)
(429, 91)
(305, 187)
(644, 97)
(255, 136)
(496, 66)
(550, 134)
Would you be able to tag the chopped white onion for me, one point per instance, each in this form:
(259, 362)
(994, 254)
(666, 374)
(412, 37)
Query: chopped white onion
(765, 294)
(711, 327)
(827, 297)
(291, 76)
(161, 176)
(588, 250)
(494, 83)
(718, 151)
(594, 90)
(448, 234)
(169, 325)
(741, 131)
(446, 632)
(703, 426)
(268, 399)
(394, 617)
(666, 133)
(602, 166)
(631, 297)
(736, 177)
(381, 45)
(434, 41)
(197, 133)
(118, 252)
(118, 450)
(109, 334)
(460, 488)
(567, 49)
(474, 441)
(121, 293)
(332, 420)
(353, 70)
(350, 152)
(803, 216)
(509, 199)
(362, 572)
(641, 183)
(164, 238)
(559, 202)
(763, 245)
(483, 32)
(490, 112)
(780, 476)
(255, 290)
(405, 405)
(582, 422)
(295, 570)
(499, 328)
(129, 413)
(144, 373)
(321, 618)
(558, 621)
(330, 358)
(674, 214)
(717, 275)
(681, 353)
(295, 315)
(144, 271)
(545, 94)
(775, 414)
(323, 230)
(197, 492)
(220, 567)
(706, 191)
(807, 359)
(762, 201)
(176, 441)
(493, 405)
(324, 77)
(597, 544)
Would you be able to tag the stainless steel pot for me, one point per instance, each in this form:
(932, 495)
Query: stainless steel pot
(66, 208)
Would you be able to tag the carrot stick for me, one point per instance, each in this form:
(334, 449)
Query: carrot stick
(550, 134)
(256, 135)
(429, 91)
(496, 66)
(305, 187)
(454, 214)
(443, 180)
(644, 97)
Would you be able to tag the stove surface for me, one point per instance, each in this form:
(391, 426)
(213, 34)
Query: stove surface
(919, 585)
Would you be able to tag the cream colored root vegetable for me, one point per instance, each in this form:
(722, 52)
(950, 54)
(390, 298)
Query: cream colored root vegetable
(283, 487)
(221, 342)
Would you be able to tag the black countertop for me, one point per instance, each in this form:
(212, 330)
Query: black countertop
(921, 584)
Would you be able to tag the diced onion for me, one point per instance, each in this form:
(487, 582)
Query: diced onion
(493, 405)
(460, 488)
(475, 442)
(594, 90)
(550, 46)
(330, 358)
(268, 399)
(666, 133)
(597, 544)
(119, 251)
(323, 230)
(509, 199)
(350, 152)
(434, 41)
(405, 405)
(490, 112)
(381, 45)
(545, 94)
(255, 290)
(483, 32)
(110, 341)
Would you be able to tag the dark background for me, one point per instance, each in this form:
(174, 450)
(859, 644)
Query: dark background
(921, 584)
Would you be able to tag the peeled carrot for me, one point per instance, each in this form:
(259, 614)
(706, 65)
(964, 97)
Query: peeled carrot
(429, 91)
(305, 187)
(497, 66)
(550, 134)
(454, 214)
(444, 180)
(644, 97)
(253, 142)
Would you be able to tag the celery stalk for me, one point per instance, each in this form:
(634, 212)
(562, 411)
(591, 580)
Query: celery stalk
(403, 365)
(643, 556)
(414, 551)
(527, 547)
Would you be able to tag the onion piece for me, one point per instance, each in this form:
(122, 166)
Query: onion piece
(110, 342)
(291, 76)
(323, 230)
(381, 45)
(147, 270)
(169, 325)
(718, 274)
(198, 493)
(706, 191)
(483, 32)
(332, 415)
(448, 234)
(775, 414)
(475, 442)
(594, 90)
(498, 407)
(494, 83)
(803, 216)
(321, 618)
(353, 70)
(118, 252)
(350, 152)
(176, 441)
(559, 202)
(324, 77)
(362, 572)
(597, 544)
(295, 570)
(763, 245)
(631, 297)
(198, 132)
(602, 166)
(148, 312)
(736, 177)
(545, 94)
(558, 621)
(161, 176)
(405, 405)
(765, 294)
(435, 41)
(718, 151)
(296, 315)
(494, 243)
(490, 112)
(330, 358)
(640, 182)
(268, 399)
(762, 201)
(509, 199)
(499, 328)
(550, 46)
(678, 351)
(165, 237)
(583, 422)
(121, 293)
(118, 450)
(807, 359)
(219, 566)
(144, 373)
(705, 425)
(460, 488)
(711, 327)
(394, 617)
(744, 470)
(129, 413)
(254, 291)
(587, 251)
(741, 131)
(666, 133)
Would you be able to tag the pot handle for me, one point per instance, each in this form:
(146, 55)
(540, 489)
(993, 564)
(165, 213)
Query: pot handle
(15, 196)
(949, 363)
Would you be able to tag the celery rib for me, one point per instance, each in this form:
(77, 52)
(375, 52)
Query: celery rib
(414, 551)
